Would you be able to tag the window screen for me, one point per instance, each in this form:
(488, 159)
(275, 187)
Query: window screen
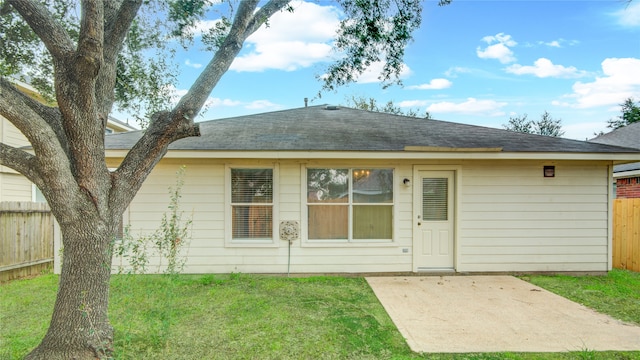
(252, 203)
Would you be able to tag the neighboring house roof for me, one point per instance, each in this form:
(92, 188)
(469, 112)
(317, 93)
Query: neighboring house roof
(628, 136)
(118, 126)
(29, 90)
(327, 128)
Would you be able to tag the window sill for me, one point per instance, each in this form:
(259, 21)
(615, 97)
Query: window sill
(346, 243)
(250, 244)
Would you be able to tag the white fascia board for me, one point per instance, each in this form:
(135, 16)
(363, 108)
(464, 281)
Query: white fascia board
(618, 158)
(625, 174)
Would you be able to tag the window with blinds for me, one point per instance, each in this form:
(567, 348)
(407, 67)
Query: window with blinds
(350, 204)
(434, 199)
(252, 204)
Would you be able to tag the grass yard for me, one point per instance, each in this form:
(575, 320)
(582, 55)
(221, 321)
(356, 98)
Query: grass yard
(258, 317)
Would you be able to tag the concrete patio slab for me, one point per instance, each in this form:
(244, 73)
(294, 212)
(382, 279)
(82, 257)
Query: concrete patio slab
(460, 314)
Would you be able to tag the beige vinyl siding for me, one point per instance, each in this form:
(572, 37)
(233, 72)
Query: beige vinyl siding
(14, 187)
(10, 135)
(203, 195)
(509, 218)
(514, 219)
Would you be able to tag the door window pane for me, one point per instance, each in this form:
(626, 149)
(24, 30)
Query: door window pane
(434, 199)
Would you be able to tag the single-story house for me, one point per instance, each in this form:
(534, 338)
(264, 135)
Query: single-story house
(626, 176)
(327, 189)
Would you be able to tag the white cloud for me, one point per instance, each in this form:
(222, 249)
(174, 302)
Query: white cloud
(629, 15)
(554, 43)
(559, 43)
(454, 71)
(500, 38)
(413, 103)
(498, 48)
(434, 84)
(371, 74)
(584, 130)
(471, 106)
(621, 80)
(217, 102)
(262, 105)
(193, 65)
(292, 40)
(287, 56)
(211, 102)
(543, 68)
(203, 26)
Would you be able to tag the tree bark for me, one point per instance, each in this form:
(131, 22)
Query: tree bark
(80, 327)
(68, 162)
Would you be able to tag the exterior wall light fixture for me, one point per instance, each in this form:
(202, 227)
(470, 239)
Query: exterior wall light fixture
(549, 171)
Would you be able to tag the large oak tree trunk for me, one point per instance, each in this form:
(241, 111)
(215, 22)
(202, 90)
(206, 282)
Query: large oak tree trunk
(67, 161)
(80, 327)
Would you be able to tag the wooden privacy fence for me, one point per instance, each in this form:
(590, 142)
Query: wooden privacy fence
(26, 239)
(626, 234)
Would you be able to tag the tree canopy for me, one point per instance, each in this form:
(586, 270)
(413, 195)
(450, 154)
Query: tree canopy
(91, 56)
(547, 125)
(629, 114)
(371, 104)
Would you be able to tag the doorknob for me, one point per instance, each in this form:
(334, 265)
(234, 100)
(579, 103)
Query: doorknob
(419, 223)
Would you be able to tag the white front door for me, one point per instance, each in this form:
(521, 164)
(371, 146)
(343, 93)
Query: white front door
(433, 239)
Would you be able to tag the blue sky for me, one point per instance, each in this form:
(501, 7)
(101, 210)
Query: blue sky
(475, 62)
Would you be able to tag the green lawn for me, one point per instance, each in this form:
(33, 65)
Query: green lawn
(260, 317)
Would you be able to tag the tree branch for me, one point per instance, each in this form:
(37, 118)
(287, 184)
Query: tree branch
(118, 16)
(117, 24)
(145, 155)
(20, 110)
(50, 115)
(166, 128)
(245, 23)
(264, 14)
(90, 43)
(20, 161)
(42, 22)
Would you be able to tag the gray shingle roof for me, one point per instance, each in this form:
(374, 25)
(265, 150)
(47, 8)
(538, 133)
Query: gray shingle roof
(317, 128)
(628, 136)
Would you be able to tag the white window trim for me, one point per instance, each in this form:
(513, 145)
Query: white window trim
(304, 228)
(34, 192)
(228, 223)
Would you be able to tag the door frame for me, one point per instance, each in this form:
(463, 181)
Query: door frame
(456, 188)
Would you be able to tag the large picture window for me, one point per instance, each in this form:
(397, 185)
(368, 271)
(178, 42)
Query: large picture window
(350, 204)
(251, 204)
